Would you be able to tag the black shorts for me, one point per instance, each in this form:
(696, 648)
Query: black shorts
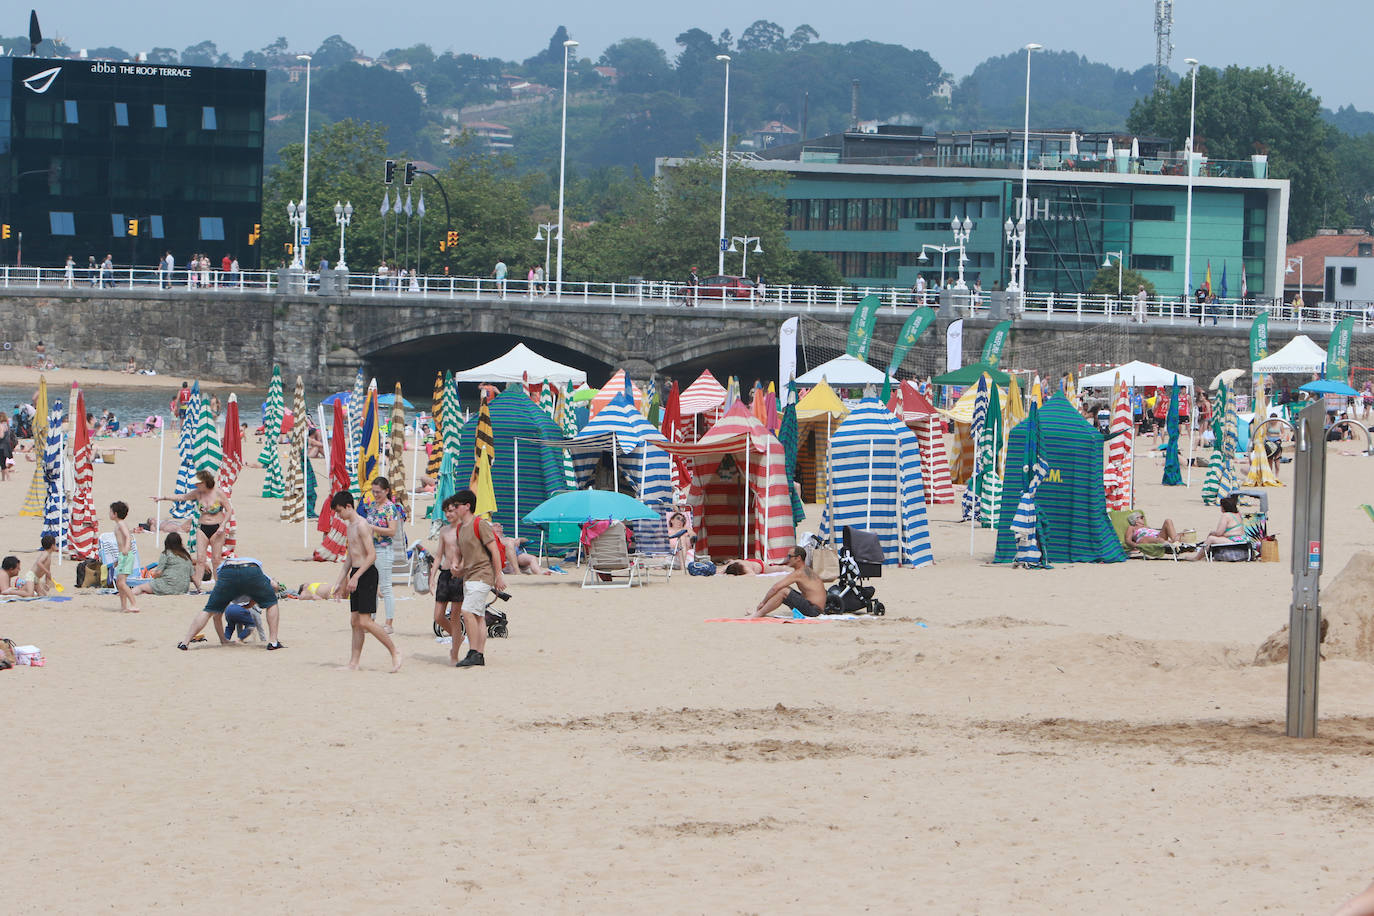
(363, 599)
(797, 602)
(448, 589)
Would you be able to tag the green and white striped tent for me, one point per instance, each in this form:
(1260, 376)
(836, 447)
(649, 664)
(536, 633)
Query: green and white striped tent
(514, 415)
(1070, 502)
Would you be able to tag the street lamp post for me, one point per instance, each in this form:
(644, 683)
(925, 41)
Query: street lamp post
(744, 241)
(724, 161)
(961, 233)
(545, 234)
(1188, 151)
(562, 169)
(299, 260)
(343, 215)
(1025, 166)
(1016, 238)
(1288, 269)
(1107, 262)
(296, 213)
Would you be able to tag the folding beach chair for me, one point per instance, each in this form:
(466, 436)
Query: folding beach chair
(652, 548)
(609, 557)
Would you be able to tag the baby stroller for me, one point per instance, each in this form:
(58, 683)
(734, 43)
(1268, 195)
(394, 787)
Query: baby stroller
(861, 557)
(498, 625)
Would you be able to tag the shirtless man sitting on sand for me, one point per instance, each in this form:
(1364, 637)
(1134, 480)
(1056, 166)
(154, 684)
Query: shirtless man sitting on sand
(801, 590)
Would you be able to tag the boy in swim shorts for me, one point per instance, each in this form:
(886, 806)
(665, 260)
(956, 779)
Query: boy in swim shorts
(125, 567)
(359, 582)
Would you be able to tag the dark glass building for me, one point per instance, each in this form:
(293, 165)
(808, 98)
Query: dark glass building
(86, 146)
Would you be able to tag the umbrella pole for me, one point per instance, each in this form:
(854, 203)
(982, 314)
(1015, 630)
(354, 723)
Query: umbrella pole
(868, 500)
(1192, 433)
(305, 488)
(746, 497)
(157, 506)
(973, 513)
(415, 466)
(516, 470)
(615, 462)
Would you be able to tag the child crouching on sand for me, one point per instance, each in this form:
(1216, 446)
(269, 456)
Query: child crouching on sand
(42, 567)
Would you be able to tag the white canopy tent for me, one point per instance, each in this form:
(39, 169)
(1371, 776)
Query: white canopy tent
(1136, 374)
(848, 371)
(519, 365)
(1299, 355)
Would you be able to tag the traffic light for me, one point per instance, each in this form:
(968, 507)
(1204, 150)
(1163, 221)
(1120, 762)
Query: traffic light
(255, 234)
(390, 171)
(4, 231)
(133, 227)
(452, 238)
(290, 248)
(410, 173)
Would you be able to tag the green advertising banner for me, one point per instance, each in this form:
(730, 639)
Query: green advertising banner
(992, 348)
(1259, 337)
(861, 326)
(916, 324)
(1338, 350)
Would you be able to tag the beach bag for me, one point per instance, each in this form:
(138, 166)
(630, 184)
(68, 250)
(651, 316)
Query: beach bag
(1269, 550)
(90, 574)
(825, 563)
(701, 568)
(500, 545)
(7, 656)
(419, 576)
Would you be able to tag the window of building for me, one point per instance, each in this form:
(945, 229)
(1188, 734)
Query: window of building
(1347, 276)
(1152, 262)
(211, 229)
(159, 115)
(1365, 249)
(117, 225)
(61, 223)
(155, 223)
(121, 114)
(207, 118)
(1154, 213)
(69, 107)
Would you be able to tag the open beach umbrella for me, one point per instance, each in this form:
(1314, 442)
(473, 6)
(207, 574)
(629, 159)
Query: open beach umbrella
(1026, 525)
(548, 401)
(335, 530)
(436, 417)
(391, 400)
(369, 444)
(787, 435)
(1172, 475)
(1226, 377)
(273, 412)
(396, 463)
(231, 463)
(54, 506)
(990, 448)
(83, 528)
(1329, 386)
(448, 446)
(293, 483)
(590, 506)
(35, 499)
(970, 507)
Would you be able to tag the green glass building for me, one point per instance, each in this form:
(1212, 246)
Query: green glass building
(86, 146)
(872, 218)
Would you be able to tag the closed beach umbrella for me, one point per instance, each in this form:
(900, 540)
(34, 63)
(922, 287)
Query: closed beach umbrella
(271, 421)
(34, 501)
(1026, 526)
(396, 463)
(484, 442)
(484, 488)
(186, 461)
(547, 400)
(787, 435)
(1121, 452)
(990, 445)
(567, 425)
(369, 444)
(970, 508)
(206, 450)
(674, 429)
(436, 416)
(83, 527)
(446, 482)
(231, 463)
(1172, 475)
(357, 403)
(54, 506)
(334, 528)
(293, 484)
(1260, 475)
(1221, 475)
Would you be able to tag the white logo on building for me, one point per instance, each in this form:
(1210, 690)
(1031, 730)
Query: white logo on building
(40, 82)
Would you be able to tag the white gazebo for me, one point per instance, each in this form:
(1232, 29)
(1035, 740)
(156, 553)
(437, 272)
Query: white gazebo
(846, 371)
(1299, 355)
(1136, 374)
(519, 365)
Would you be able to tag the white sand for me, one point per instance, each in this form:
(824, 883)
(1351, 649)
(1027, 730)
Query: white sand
(1084, 740)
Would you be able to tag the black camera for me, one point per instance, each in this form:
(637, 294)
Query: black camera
(504, 596)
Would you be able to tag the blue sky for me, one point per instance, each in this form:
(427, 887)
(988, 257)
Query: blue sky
(1323, 44)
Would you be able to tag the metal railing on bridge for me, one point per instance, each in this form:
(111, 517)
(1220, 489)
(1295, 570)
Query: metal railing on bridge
(1079, 307)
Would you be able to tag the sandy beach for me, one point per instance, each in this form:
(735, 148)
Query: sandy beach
(1086, 739)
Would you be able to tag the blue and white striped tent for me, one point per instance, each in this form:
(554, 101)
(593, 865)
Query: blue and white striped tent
(876, 485)
(638, 456)
(55, 508)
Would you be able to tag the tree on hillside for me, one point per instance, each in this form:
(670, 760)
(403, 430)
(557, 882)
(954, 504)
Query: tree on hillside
(333, 52)
(374, 95)
(641, 66)
(1067, 90)
(1354, 158)
(763, 36)
(204, 54)
(1242, 111)
(801, 36)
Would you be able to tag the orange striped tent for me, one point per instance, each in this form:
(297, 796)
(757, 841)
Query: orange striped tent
(612, 388)
(916, 411)
(819, 413)
(739, 489)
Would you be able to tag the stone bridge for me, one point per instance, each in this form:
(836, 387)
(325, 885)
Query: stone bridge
(237, 336)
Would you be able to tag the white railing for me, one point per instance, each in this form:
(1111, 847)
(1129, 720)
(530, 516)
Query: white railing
(773, 297)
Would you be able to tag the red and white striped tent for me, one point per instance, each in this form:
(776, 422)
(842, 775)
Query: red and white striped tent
(83, 529)
(746, 493)
(921, 417)
(1118, 474)
(614, 387)
(704, 398)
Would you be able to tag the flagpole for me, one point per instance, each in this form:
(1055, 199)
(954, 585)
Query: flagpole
(420, 234)
(408, 212)
(386, 205)
(305, 488)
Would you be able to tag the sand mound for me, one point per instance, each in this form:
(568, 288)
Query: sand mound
(1347, 617)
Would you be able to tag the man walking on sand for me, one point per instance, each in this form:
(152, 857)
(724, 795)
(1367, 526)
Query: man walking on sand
(801, 590)
(448, 580)
(481, 573)
(236, 578)
(359, 583)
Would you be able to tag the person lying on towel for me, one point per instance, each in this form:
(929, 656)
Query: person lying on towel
(801, 590)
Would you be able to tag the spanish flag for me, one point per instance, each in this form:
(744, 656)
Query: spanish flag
(1207, 283)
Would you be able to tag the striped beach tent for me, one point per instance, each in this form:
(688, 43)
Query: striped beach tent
(915, 410)
(520, 483)
(54, 503)
(991, 446)
(623, 432)
(35, 499)
(875, 484)
(704, 398)
(446, 482)
(739, 489)
(1121, 453)
(273, 412)
(83, 528)
(436, 415)
(231, 464)
(819, 412)
(618, 383)
(1071, 507)
(396, 447)
(186, 463)
(1221, 473)
(294, 482)
(335, 530)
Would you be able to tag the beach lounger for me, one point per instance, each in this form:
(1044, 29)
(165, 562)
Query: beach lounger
(1119, 519)
(609, 564)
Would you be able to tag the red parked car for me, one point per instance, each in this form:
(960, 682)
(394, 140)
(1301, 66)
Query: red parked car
(719, 287)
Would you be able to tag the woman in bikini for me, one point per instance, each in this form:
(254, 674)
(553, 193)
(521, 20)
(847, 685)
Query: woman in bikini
(1137, 533)
(752, 568)
(1230, 530)
(682, 538)
(215, 510)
